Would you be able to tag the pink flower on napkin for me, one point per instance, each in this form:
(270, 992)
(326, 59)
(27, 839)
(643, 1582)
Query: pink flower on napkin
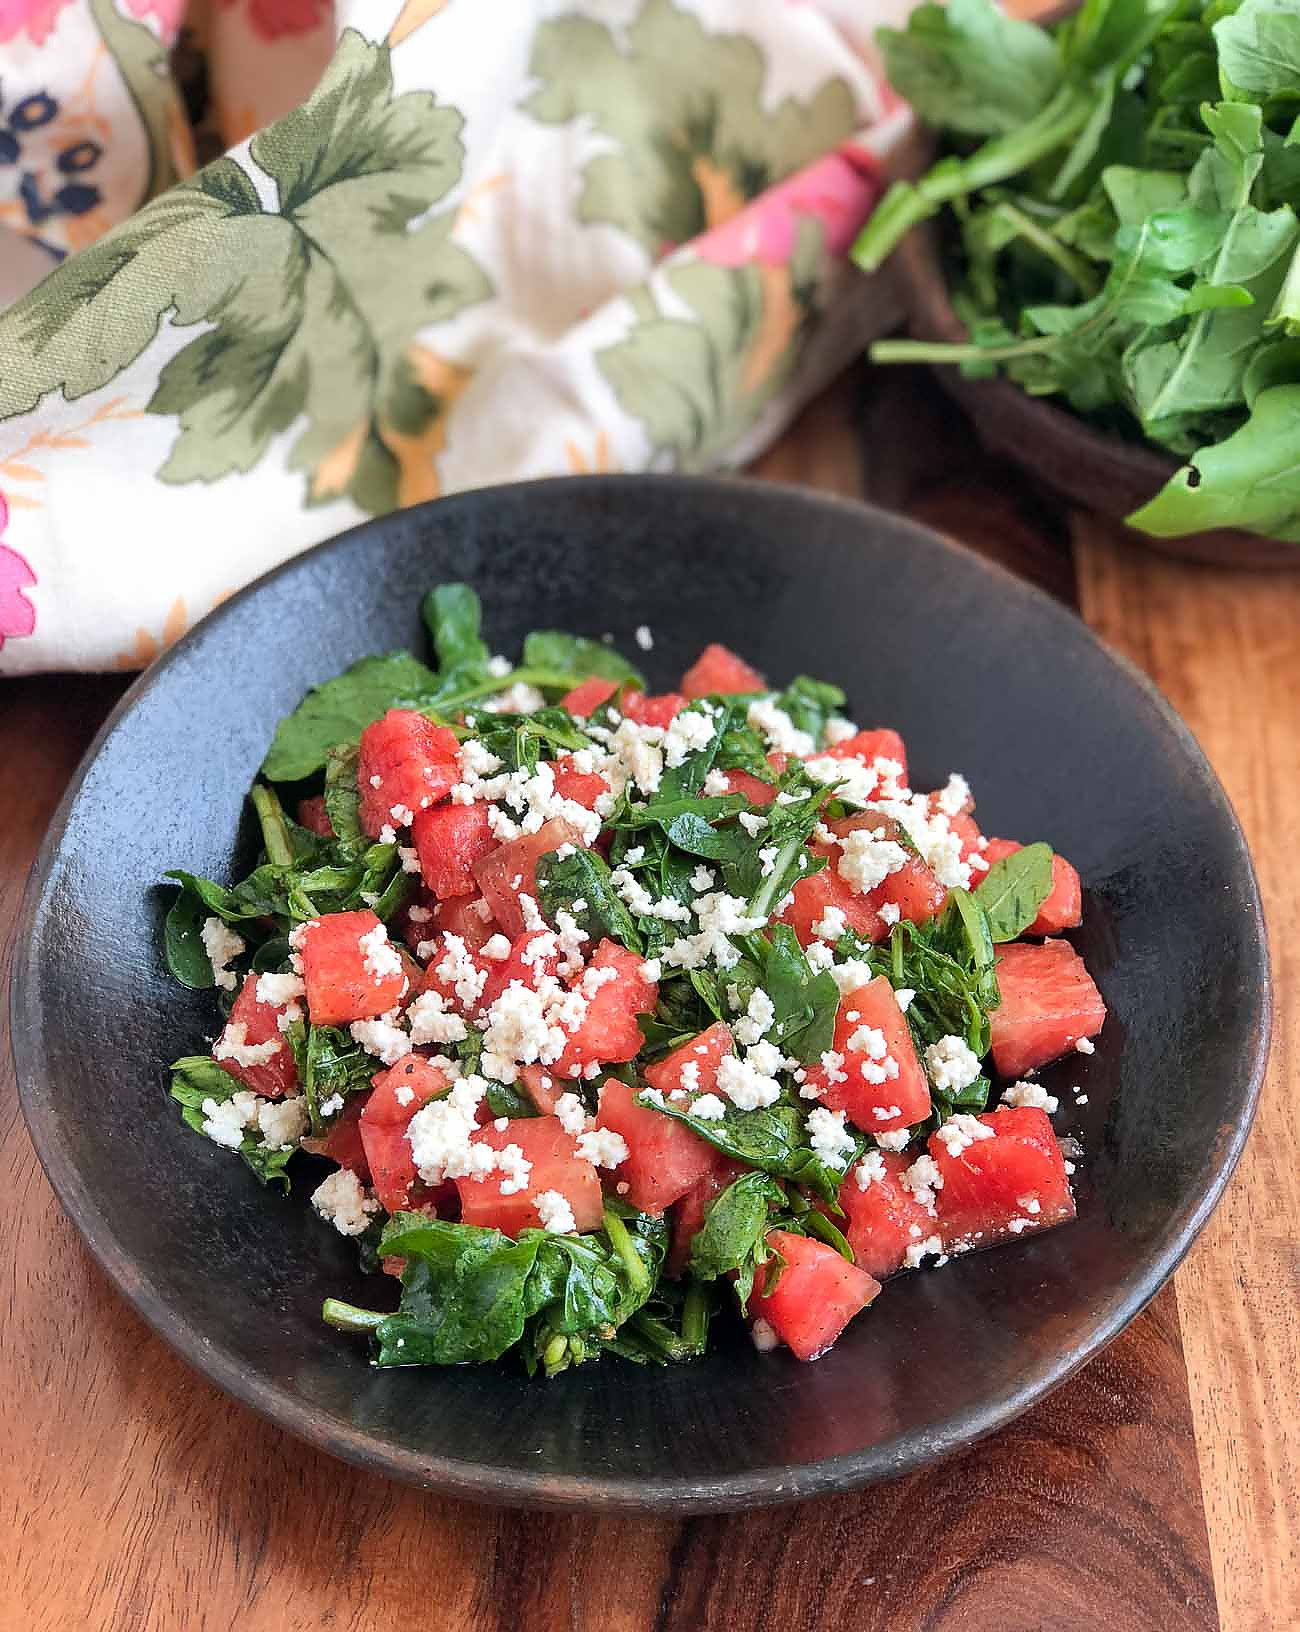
(34, 17)
(839, 190)
(17, 614)
(271, 19)
(168, 13)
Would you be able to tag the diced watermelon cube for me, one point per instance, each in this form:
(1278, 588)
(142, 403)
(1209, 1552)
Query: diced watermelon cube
(533, 955)
(398, 1094)
(690, 1210)
(815, 1295)
(660, 711)
(1063, 908)
(995, 1189)
(811, 896)
(343, 1143)
(449, 839)
(902, 1097)
(884, 1220)
(608, 1033)
(1049, 1001)
(541, 1087)
(346, 979)
(694, 1066)
(555, 1165)
(406, 763)
(586, 698)
(511, 871)
(312, 815)
(719, 671)
(665, 1158)
(869, 746)
(755, 790)
(468, 916)
(253, 1024)
(913, 889)
(583, 787)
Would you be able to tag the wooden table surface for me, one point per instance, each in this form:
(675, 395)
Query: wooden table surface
(1155, 1492)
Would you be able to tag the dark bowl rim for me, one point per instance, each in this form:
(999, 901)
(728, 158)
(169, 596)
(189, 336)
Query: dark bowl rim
(761, 1487)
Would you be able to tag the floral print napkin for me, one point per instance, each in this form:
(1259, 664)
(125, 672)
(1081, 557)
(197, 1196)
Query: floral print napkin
(452, 242)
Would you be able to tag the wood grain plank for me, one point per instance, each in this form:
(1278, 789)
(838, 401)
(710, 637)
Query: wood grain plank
(1225, 649)
(189, 1512)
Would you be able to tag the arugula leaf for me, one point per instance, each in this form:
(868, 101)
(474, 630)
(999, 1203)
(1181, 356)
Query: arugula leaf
(1013, 890)
(197, 1078)
(332, 1064)
(733, 1237)
(1259, 50)
(340, 709)
(804, 1004)
(453, 615)
(580, 657)
(810, 703)
(518, 740)
(469, 1294)
(583, 877)
(970, 67)
(342, 798)
(183, 940)
(773, 1139)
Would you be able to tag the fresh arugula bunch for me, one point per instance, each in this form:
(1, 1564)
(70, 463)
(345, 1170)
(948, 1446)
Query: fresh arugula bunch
(1124, 235)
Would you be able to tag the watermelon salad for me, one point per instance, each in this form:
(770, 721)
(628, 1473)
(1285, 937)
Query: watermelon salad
(590, 1015)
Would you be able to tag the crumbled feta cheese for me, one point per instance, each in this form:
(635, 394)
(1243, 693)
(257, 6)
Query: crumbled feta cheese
(1085, 1045)
(1030, 1203)
(961, 1132)
(720, 916)
(868, 1040)
(767, 860)
(851, 975)
(691, 731)
(521, 698)
(763, 1335)
(384, 1037)
(440, 1135)
(703, 879)
(635, 854)
(904, 996)
(277, 990)
(752, 824)
(376, 781)
(640, 901)
(497, 948)
(409, 857)
(890, 913)
(388, 834)
(838, 730)
(951, 1065)
(870, 1169)
(431, 1022)
(651, 971)
(831, 925)
(924, 1180)
(282, 1122)
(402, 815)
(759, 1018)
(498, 667)
(333, 1105)
(745, 1084)
(782, 735)
(516, 1167)
(954, 796)
(644, 639)
(404, 1094)
(602, 1147)
(715, 784)
(221, 945)
(1030, 1093)
(341, 1200)
(233, 1045)
(819, 955)
(867, 861)
(708, 1107)
(828, 1136)
(897, 1140)
(554, 1212)
(459, 970)
(652, 1096)
(931, 1247)
(832, 1064)
(572, 1113)
(224, 1120)
(380, 957)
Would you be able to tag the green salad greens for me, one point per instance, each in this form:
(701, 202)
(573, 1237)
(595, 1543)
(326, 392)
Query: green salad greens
(1119, 197)
(547, 988)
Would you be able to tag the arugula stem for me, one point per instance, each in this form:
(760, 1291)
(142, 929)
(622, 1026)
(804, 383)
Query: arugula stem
(907, 203)
(638, 1275)
(695, 1317)
(765, 895)
(1051, 248)
(271, 819)
(348, 1318)
(544, 679)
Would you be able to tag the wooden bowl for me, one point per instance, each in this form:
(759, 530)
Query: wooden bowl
(1104, 474)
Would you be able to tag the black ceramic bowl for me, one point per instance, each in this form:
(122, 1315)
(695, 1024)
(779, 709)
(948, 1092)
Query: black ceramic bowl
(1061, 741)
